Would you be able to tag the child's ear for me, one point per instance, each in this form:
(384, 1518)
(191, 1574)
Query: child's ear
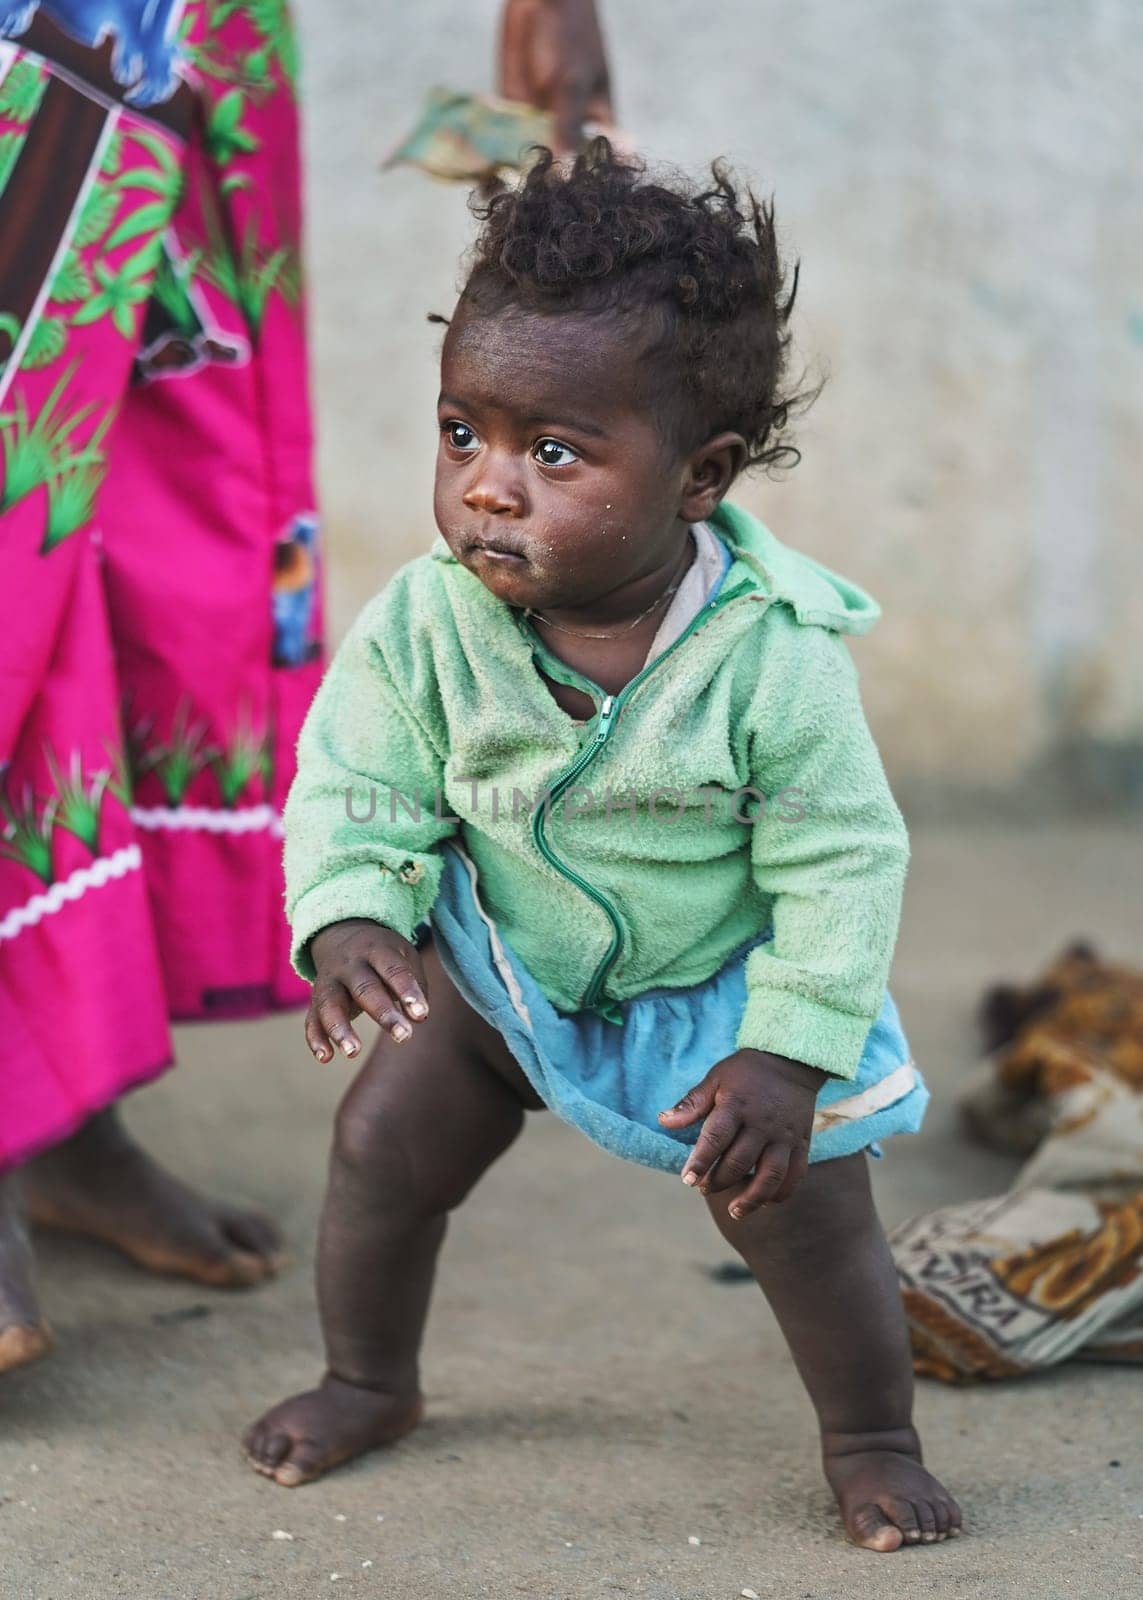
(710, 471)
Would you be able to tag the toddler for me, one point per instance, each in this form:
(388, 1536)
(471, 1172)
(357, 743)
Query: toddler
(588, 816)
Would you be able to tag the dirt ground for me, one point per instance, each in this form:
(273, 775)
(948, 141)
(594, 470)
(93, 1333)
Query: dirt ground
(596, 1400)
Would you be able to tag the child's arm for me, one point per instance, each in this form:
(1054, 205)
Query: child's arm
(835, 869)
(836, 873)
(364, 821)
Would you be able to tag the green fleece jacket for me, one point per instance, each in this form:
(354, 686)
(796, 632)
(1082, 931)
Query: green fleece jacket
(733, 784)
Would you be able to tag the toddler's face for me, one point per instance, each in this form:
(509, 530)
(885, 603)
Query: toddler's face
(552, 485)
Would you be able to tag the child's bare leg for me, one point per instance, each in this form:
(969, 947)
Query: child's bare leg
(824, 1265)
(419, 1126)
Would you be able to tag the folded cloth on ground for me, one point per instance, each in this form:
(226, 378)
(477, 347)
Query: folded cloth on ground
(1053, 1270)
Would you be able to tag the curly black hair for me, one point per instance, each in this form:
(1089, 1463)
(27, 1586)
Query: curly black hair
(697, 267)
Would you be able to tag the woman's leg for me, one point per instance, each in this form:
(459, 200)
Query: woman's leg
(822, 1261)
(419, 1126)
(78, 923)
(24, 1335)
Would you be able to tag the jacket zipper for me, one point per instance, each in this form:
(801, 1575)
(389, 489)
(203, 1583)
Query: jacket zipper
(610, 707)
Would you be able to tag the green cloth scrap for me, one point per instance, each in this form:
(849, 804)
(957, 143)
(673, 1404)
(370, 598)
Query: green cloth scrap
(466, 138)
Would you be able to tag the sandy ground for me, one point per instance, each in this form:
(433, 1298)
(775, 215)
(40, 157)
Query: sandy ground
(595, 1398)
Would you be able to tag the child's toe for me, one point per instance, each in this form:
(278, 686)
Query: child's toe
(873, 1530)
(926, 1520)
(305, 1462)
(904, 1514)
(275, 1449)
(264, 1445)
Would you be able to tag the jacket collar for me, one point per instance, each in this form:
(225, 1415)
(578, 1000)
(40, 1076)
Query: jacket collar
(817, 596)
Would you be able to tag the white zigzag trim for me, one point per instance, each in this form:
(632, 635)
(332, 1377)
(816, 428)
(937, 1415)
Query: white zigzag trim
(205, 819)
(74, 887)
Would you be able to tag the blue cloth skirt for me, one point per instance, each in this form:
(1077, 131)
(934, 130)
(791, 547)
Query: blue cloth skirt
(611, 1081)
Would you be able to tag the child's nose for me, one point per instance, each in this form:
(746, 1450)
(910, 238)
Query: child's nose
(497, 491)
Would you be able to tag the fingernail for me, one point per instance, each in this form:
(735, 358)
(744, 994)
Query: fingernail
(689, 1179)
(414, 1007)
(350, 1046)
(401, 1032)
(737, 1213)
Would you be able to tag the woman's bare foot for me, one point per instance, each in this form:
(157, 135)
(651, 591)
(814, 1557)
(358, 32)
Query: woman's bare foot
(101, 1184)
(308, 1435)
(886, 1497)
(24, 1335)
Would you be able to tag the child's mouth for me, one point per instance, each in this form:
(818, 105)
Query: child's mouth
(500, 553)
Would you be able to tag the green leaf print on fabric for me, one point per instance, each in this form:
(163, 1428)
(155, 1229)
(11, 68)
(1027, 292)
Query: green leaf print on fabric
(78, 800)
(72, 493)
(180, 759)
(251, 70)
(149, 219)
(72, 282)
(248, 279)
(272, 20)
(38, 450)
(120, 292)
(26, 834)
(22, 90)
(158, 148)
(226, 138)
(97, 215)
(10, 146)
(48, 338)
(165, 179)
(138, 755)
(245, 756)
(113, 154)
(120, 780)
(170, 289)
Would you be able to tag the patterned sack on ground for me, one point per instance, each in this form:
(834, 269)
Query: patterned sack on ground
(1053, 1270)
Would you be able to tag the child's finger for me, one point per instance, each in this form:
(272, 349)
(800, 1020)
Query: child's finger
(736, 1163)
(795, 1172)
(717, 1133)
(697, 1102)
(334, 1009)
(404, 978)
(316, 1037)
(376, 1001)
(765, 1183)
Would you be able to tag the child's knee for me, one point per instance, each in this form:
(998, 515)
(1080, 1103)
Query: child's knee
(396, 1159)
(358, 1139)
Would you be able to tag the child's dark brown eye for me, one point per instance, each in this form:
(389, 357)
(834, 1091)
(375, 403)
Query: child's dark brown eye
(460, 435)
(551, 453)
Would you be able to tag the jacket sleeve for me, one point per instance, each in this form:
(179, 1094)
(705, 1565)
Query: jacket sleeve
(365, 815)
(831, 850)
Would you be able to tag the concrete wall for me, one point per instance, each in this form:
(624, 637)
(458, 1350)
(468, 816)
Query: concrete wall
(961, 179)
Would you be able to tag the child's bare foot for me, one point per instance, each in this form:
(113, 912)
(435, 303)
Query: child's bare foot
(886, 1497)
(24, 1335)
(311, 1433)
(102, 1185)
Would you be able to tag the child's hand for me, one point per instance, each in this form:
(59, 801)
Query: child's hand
(759, 1111)
(361, 966)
